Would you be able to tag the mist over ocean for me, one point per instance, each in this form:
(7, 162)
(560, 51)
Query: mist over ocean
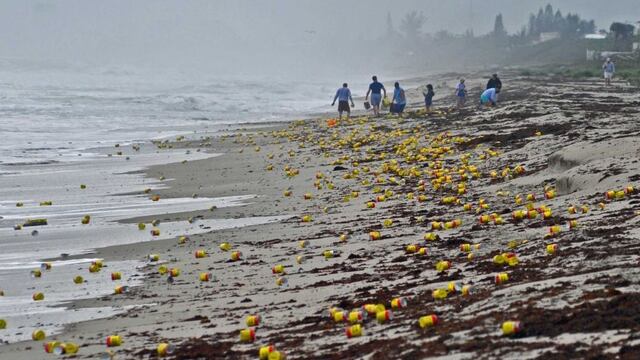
(56, 115)
(60, 126)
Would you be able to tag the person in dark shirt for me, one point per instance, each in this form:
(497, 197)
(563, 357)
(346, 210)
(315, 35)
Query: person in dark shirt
(495, 83)
(375, 89)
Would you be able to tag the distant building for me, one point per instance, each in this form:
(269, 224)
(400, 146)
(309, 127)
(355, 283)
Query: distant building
(595, 45)
(547, 36)
(596, 36)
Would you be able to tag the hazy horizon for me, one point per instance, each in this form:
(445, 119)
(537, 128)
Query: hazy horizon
(244, 36)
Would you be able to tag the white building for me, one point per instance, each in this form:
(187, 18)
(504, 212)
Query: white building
(547, 36)
(595, 36)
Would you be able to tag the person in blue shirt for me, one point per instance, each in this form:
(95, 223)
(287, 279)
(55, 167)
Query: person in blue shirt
(375, 88)
(399, 100)
(428, 97)
(461, 94)
(343, 95)
(609, 69)
(489, 97)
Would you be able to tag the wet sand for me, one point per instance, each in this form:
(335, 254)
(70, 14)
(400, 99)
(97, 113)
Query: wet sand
(574, 138)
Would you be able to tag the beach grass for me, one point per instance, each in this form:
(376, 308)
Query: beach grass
(629, 71)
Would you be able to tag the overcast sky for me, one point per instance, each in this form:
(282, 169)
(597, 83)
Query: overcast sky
(224, 33)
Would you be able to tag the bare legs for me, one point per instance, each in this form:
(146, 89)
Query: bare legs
(340, 115)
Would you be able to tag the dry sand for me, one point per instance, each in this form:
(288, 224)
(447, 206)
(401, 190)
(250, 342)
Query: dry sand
(582, 302)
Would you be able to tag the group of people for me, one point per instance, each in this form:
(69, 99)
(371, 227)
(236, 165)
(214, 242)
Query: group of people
(397, 104)
(489, 96)
(378, 95)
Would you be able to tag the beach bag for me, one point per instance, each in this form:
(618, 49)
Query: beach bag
(367, 106)
(386, 102)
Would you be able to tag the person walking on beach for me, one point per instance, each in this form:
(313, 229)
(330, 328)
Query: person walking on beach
(489, 97)
(609, 69)
(495, 83)
(461, 94)
(399, 100)
(343, 95)
(375, 88)
(428, 97)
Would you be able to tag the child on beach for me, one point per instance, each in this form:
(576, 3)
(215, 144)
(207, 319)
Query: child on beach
(428, 97)
(343, 95)
(399, 100)
(461, 94)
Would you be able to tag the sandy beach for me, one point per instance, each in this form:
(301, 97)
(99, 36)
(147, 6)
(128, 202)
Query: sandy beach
(522, 190)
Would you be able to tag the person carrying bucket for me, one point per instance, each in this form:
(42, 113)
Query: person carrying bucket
(399, 100)
(375, 89)
(343, 95)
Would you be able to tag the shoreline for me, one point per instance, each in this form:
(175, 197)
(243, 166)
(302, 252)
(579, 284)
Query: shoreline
(319, 284)
(189, 143)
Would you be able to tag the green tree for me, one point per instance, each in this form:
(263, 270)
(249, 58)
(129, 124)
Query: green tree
(412, 24)
(622, 31)
(558, 21)
(391, 31)
(622, 35)
(498, 27)
(533, 29)
(547, 20)
(540, 22)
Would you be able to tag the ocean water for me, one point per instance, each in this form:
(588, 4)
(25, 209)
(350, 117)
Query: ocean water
(55, 114)
(59, 127)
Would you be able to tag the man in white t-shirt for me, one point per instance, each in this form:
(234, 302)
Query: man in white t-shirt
(609, 69)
